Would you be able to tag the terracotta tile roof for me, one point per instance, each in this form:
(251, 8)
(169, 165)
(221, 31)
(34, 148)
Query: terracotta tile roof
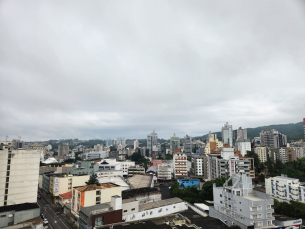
(67, 195)
(94, 187)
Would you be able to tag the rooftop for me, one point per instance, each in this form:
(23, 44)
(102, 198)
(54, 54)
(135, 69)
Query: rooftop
(67, 195)
(127, 194)
(160, 203)
(98, 208)
(94, 187)
(140, 181)
(19, 207)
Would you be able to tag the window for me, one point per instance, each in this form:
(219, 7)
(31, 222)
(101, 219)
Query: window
(3, 216)
(99, 221)
(98, 193)
(98, 198)
(133, 209)
(125, 210)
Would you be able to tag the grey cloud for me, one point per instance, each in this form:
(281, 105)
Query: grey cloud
(124, 68)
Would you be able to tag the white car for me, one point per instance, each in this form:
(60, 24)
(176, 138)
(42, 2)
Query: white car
(45, 221)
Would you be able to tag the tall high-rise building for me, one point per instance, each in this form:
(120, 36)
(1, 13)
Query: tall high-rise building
(63, 150)
(109, 142)
(240, 134)
(19, 173)
(135, 144)
(174, 143)
(180, 165)
(152, 142)
(121, 141)
(227, 134)
(188, 145)
(273, 138)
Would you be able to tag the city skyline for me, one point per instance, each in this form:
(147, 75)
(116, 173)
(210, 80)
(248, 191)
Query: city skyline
(100, 70)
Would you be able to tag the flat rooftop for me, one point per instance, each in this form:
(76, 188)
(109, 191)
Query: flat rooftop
(127, 194)
(160, 203)
(95, 187)
(19, 207)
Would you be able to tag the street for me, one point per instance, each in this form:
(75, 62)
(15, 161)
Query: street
(55, 221)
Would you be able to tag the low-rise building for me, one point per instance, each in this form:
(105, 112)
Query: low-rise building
(96, 155)
(65, 198)
(141, 181)
(284, 188)
(164, 171)
(85, 167)
(240, 205)
(89, 195)
(113, 164)
(135, 170)
(142, 195)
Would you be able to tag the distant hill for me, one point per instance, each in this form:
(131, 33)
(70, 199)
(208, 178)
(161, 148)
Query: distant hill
(294, 131)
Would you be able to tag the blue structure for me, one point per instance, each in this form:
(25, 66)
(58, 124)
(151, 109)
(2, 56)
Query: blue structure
(189, 182)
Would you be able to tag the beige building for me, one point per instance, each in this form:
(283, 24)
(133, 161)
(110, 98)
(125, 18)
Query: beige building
(262, 153)
(62, 183)
(19, 171)
(251, 166)
(180, 165)
(212, 143)
(89, 195)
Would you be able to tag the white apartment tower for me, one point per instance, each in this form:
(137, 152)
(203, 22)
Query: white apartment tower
(135, 144)
(19, 174)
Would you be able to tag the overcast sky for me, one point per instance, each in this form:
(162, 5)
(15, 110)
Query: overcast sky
(100, 69)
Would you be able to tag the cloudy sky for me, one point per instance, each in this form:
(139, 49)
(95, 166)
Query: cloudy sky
(100, 69)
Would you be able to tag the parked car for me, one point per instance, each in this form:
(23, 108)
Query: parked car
(45, 221)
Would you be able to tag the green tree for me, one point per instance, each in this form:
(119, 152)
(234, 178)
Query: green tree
(93, 180)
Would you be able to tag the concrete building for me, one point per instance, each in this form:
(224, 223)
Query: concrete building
(284, 188)
(251, 166)
(299, 151)
(113, 164)
(180, 165)
(18, 144)
(164, 171)
(63, 183)
(262, 153)
(114, 155)
(135, 144)
(199, 165)
(109, 173)
(89, 195)
(273, 154)
(65, 199)
(85, 168)
(188, 145)
(283, 155)
(36, 146)
(63, 150)
(243, 145)
(15, 214)
(96, 155)
(240, 205)
(240, 134)
(142, 195)
(227, 134)
(135, 170)
(19, 174)
(152, 141)
(109, 142)
(174, 143)
(212, 143)
(273, 138)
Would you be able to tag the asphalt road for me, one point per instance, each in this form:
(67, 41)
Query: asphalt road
(55, 221)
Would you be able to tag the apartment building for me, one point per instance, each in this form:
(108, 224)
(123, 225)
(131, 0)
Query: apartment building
(19, 174)
(240, 205)
(251, 166)
(188, 145)
(113, 164)
(227, 134)
(63, 150)
(200, 164)
(212, 143)
(63, 183)
(243, 145)
(180, 165)
(262, 153)
(164, 171)
(174, 143)
(284, 188)
(89, 195)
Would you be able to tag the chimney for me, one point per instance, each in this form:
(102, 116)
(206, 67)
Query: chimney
(116, 202)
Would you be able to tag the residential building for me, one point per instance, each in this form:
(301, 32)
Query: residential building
(99, 147)
(19, 174)
(243, 145)
(109, 142)
(262, 153)
(63, 183)
(291, 154)
(135, 170)
(164, 171)
(273, 138)
(63, 150)
(109, 173)
(283, 155)
(89, 195)
(240, 134)
(299, 152)
(65, 198)
(188, 145)
(251, 166)
(36, 146)
(18, 144)
(212, 143)
(152, 141)
(273, 154)
(180, 165)
(135, 144)
(284, 188)
(227, 134)
(114, 155)
(174, 143)
(200, 164)
(121, 141)
(240, 205)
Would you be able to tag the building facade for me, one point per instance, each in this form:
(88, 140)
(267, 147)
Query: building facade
(180, 165)
(63, 150)
(227, 134)
(164, 171)
(19, 174)
(188, 145)
(262, 153)
(200, 164)
(174, 143)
